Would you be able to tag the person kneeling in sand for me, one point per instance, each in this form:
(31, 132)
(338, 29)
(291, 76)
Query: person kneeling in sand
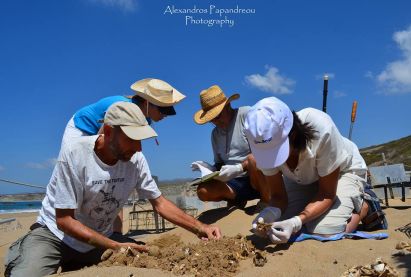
(311, 173)
(230, 148)
(155, 98)
(91, 181)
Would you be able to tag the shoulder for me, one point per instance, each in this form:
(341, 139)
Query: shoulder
(112, 99)
(242, 113)
(138, 159)
(319, 120)
(80, 144)
(243, 110)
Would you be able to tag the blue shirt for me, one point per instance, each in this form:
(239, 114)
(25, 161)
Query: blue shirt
(86, 119)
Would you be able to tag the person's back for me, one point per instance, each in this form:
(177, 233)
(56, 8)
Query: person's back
(88, 118)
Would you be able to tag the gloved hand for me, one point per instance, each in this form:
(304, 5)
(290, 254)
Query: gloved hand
(281, 231)
(200, 165)
(267, 215)
(228, 172)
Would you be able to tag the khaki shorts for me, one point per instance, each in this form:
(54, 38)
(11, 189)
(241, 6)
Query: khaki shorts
(350, 190)
(41, 253)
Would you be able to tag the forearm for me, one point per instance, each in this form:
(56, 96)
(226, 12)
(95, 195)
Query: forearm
(175, 215)
(318, 206)
(79, 231)
(118, 222)
(324, 199)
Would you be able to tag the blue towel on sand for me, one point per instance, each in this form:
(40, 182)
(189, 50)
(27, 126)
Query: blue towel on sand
(354, 235)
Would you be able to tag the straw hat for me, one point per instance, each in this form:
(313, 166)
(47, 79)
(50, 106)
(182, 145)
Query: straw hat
(157, 92)
(213, 101)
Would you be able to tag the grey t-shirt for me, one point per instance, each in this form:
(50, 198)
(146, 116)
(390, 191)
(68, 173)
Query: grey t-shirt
(231, 146)
(95, 190)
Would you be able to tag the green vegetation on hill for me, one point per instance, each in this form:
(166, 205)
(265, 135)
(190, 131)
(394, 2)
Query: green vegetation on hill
(396, 151)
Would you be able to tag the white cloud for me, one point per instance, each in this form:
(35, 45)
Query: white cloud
(320, 76)
(395, 78)
(125, 5)
(49, 163)
(272, 81)
(339, 94)
(369, 75)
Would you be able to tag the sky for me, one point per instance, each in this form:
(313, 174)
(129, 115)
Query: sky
(58, 56)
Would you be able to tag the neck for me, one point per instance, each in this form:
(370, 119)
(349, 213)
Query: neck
(103, 152)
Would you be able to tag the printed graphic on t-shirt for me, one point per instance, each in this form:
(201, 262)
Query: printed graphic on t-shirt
(108, 204)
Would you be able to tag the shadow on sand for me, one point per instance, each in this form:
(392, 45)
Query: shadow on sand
(404, 262)
(213, 215)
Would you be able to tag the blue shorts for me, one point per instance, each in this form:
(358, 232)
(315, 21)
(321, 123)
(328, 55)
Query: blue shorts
(243, 189)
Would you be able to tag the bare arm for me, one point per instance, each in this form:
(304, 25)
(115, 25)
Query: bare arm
(118, 222)
(324, 199)
(175, 215)
(275, 191)
(68, 224)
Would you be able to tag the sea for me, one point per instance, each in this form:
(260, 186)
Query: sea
(19, 206)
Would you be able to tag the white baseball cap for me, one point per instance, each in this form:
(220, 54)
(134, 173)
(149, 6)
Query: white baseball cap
(130, 119)
(267, 126)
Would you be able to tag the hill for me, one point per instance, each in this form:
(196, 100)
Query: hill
(396, 151)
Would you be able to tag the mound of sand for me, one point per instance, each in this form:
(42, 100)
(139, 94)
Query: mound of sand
(204, 258)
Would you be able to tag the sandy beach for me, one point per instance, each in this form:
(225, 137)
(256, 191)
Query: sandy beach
(307, 258)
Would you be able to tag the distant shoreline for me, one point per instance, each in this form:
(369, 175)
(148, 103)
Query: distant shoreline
(22, 197)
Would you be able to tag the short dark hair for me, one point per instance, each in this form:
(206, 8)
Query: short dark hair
(301, 133)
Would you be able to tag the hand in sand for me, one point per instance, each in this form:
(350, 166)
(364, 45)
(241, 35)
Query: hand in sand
(209, 232)
(138, 247)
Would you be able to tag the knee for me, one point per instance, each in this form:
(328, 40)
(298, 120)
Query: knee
(251, 163)
(202, 193)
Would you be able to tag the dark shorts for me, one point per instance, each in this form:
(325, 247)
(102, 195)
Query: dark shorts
(243, 189)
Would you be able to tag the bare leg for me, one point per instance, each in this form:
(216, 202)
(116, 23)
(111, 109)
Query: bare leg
(257, 180)
(214, 191)
(356, 218)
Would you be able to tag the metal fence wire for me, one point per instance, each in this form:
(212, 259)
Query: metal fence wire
(150, 220)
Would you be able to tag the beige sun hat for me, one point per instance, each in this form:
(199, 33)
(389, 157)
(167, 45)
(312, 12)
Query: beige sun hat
(213, 101)
(157, 92)
(130, 119)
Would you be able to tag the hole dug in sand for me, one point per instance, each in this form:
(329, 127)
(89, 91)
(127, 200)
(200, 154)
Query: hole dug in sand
(205, 258)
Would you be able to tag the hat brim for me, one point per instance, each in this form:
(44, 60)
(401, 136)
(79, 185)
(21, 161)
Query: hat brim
(202, 117)
(139, 132)
(270, 157)
(139, 86)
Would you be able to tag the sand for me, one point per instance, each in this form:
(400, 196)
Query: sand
(307, 258)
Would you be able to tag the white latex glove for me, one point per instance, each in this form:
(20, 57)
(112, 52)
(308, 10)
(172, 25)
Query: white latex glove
(267, 215)
(281, 231)
(204, 167)
(228, 172)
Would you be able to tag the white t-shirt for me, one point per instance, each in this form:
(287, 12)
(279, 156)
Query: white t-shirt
(328, 151)
(96, 191)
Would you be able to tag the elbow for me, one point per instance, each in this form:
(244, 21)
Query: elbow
(61, 224)
(158, 204)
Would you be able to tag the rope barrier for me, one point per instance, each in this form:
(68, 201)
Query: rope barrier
(21, 184)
